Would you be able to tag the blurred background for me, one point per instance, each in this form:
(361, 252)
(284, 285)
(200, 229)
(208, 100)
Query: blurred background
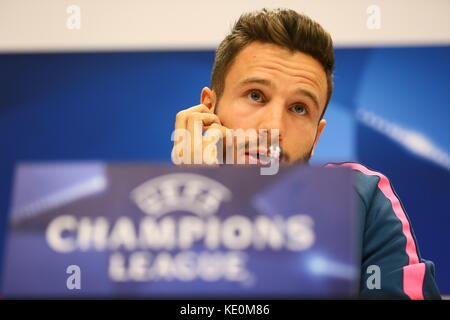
(103, 80)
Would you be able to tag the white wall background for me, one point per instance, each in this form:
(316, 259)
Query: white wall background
(40, 25)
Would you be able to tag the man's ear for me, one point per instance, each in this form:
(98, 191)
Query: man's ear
(208, 98)
(322, 125)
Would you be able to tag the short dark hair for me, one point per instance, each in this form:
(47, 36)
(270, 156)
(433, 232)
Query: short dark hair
(283, 27)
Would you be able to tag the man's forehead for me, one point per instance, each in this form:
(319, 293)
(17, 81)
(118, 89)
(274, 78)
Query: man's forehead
(259, 56)
(257, 48)
(258, 52)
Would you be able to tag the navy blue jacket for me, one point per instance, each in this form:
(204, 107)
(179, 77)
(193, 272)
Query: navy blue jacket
(388, 242)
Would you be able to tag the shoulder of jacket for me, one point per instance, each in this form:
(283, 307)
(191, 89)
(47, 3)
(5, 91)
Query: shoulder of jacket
(366, 180)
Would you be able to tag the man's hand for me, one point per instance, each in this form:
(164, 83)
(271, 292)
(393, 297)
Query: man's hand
(190, 145)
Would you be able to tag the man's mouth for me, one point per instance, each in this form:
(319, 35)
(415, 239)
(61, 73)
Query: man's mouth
(257, 157)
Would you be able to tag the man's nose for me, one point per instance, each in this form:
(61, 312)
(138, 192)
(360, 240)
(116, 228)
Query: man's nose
(274, 117)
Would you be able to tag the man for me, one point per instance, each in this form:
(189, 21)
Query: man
(274, 72)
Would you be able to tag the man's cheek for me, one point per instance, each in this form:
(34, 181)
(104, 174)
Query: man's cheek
(297, 148)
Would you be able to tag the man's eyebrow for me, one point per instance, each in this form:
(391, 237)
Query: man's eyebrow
(266, 82)
(254, 80)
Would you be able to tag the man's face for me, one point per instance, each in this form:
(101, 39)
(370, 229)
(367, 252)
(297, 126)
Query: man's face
(267, 87)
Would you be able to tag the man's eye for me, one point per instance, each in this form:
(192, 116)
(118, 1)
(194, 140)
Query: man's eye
(255, 96)
(299, 109)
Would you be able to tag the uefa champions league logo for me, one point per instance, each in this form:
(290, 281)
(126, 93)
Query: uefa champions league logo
(198, 242)
(180, 192)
